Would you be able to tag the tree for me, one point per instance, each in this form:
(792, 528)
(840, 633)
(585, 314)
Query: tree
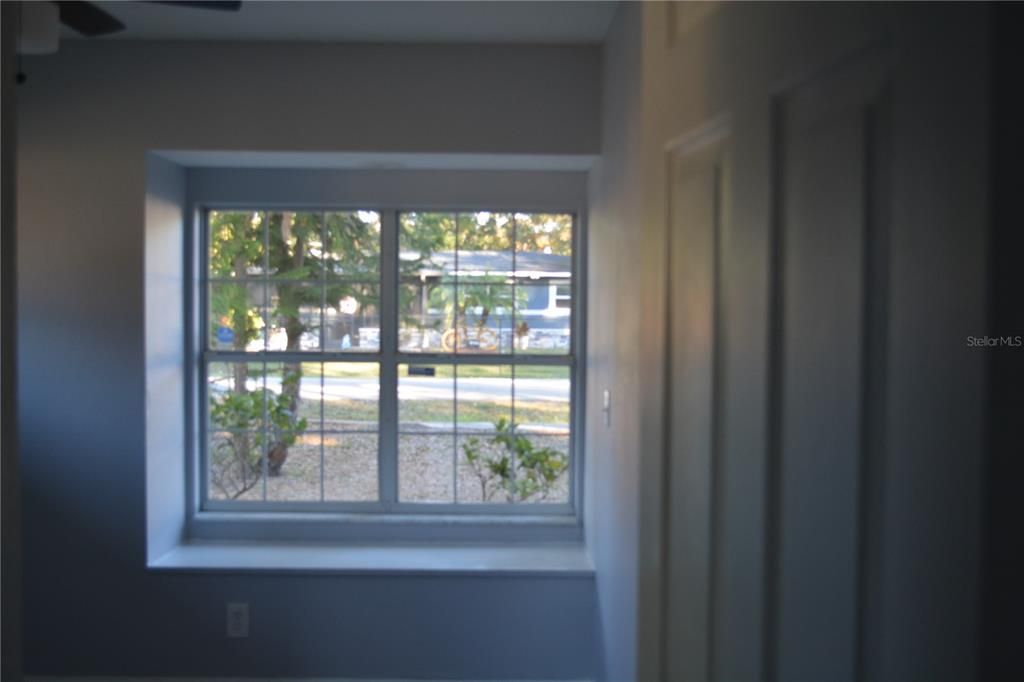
(544, 233)
(235, 246)
(425, 235)
(273, 268)
(480, 297)
(301, 259)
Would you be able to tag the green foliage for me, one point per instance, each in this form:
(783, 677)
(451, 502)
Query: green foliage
(342, 250)
(237, 456)
(484, 293)
(510, 463)
(544, 232)
(425, 233)
(236, 242)
(352, 246)
(230, 307)
(282, 249)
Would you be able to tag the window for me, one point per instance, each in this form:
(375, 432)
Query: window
(387, 361)
(563, 296)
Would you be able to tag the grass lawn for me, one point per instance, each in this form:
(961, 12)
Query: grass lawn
(366, 370)
(437, 411)
(369, 370)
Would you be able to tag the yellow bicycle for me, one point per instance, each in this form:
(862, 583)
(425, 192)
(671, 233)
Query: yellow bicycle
(483, 339)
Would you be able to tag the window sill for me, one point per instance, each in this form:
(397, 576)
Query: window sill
(381, 530)
(568, 560)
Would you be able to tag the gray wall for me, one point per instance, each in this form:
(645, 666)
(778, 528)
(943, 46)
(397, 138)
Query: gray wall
(842, 451)
(1004, 551)
(88, 117)
(612, 469)
(312, 97)
(792, 390)
(10, 562)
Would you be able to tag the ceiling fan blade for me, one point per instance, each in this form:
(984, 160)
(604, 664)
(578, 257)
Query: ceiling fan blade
(88, 19)
(224, 6)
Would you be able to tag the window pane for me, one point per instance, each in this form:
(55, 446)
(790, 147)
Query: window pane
(307, 398)
(352, 317)
(237, 316)
(293, 396)
(297, 479)
(350, 467)
(295, 316)
(476, 482)
(426, 467)
(527, 463)
(235, 464)
(426, 246)
(513, 467)
(426, 270)
(543, 281)
(547, 479)
(426, 399)
(472, 282)
(235, 395)
(296, 245)
(237, 430)
(485, 317)
(543, 418)
(351, 394)
(235, 247)
(542, 399)
(484, 397)
(426, 313)
(334, 431)
(353, 245)
(563, 294)
(485, 242)
(484, 295)
(543, 323)
(543, 244)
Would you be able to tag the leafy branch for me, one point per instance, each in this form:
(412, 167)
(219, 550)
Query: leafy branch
(510, 464)
(236, 450)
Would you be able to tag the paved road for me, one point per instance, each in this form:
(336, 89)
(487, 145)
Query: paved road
(428, 388)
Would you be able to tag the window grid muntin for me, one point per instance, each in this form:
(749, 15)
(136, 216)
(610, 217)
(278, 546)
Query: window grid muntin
(388, 355)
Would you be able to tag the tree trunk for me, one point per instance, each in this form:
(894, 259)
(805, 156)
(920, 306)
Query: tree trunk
(243, 448)
(290, 297)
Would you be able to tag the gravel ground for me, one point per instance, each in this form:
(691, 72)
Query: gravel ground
(350, 469)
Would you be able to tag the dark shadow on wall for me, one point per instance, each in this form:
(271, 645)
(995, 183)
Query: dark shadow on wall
(1003, 596)
(10, 561)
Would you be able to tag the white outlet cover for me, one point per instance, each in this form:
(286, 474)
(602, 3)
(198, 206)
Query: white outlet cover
(238, 619)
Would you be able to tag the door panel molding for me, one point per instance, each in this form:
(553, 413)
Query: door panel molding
(698, 176)
(827, 369)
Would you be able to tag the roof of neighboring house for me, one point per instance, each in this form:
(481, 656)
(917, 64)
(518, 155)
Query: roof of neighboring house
(527, 263)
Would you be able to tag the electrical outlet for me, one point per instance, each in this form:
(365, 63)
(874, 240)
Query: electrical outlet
(238, 619)
(606, 407)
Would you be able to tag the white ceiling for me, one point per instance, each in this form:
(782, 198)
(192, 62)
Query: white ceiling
(549, 22)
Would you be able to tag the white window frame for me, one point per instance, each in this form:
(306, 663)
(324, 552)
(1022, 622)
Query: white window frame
(388, 518)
